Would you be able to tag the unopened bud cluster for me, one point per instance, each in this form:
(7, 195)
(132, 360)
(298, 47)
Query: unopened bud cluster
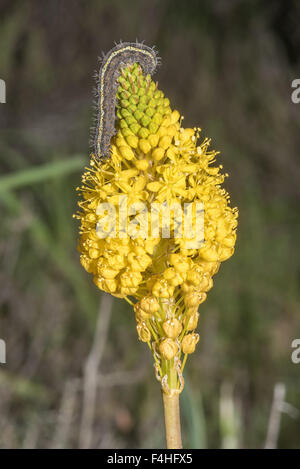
(168, 329)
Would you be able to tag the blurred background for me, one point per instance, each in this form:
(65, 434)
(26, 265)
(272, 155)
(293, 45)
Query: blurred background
(76, 375)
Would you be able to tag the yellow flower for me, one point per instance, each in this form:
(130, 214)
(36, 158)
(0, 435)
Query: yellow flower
(155, 160)
(189, 343)
(143, 332)
(172, 328)
(171, 185)
(168, 349)
(191, 322)
(149, 304)
(134, 191)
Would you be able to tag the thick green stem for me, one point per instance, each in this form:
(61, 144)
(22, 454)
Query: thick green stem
(172, 420)
(172, 375)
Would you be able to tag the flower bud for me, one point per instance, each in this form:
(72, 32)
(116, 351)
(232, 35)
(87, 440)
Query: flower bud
(173, 277)
(179, 262)
(149, 304)
(211, 267)
(153, 140)
(140, 314)
(132, 140)
(130, 279)
(158, 154)
(189, 343)
(168, 349)
(165, 142)
(190, 311)
(162, 289)
(144, 145)
(175, 116)
(142, 165)
(108, 285)
(172, 328)
(192, 321)
(195, 275)
(126, 152)
(143, 332)
(206, 283)
(194, 298)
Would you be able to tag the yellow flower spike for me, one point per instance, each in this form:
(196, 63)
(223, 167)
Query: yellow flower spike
(143, 159)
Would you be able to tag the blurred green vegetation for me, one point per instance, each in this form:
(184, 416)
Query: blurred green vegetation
(228, 66)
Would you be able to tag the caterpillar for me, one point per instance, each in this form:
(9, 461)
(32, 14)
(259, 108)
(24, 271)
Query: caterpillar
(122, 55)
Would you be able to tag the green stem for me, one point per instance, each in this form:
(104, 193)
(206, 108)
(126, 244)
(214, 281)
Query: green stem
(184, 362)
(172, 420)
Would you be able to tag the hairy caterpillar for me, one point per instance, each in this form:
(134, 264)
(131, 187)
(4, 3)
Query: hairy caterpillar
(121, 55)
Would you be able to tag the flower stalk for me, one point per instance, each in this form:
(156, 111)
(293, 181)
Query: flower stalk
(156, 164)
(172, 420)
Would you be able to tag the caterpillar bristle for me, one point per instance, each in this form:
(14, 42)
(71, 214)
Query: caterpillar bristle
(122, 55)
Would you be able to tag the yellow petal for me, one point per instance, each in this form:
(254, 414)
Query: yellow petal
(154, 186)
